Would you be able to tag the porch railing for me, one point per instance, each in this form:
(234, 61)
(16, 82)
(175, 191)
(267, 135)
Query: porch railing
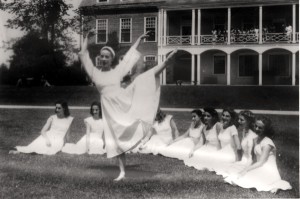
(276, 37)
(213, 39)
(244, 38)
(175, 40)
(234, 38)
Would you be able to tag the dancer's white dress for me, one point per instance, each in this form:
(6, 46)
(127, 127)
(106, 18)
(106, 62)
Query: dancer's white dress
(128, 114)
(264, 178)
(182, 148)
(221, 158)
(56, 135)
(247, 145)
(202, 155)
(96, 141)
(159, 141)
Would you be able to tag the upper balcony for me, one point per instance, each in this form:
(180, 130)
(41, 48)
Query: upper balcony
(249, 25)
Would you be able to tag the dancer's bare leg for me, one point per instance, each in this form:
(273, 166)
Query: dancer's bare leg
(122, 164)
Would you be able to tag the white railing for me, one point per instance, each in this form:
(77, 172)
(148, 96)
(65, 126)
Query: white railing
(234, 38)
(213, 39)
(175, 40)
(244, 38)
(276, 37)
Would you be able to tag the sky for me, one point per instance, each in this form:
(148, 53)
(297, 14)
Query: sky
(7, 34)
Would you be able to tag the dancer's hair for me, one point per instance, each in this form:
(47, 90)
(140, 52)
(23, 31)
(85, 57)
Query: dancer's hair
(64, 106)
(160, 116)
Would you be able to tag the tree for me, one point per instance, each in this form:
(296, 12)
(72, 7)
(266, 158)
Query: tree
(46, 17)
(33, 57)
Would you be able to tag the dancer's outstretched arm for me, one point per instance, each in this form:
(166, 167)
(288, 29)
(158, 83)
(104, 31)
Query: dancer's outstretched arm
(84, 55)
(159, 68)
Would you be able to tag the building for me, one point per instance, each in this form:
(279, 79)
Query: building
(221, 42)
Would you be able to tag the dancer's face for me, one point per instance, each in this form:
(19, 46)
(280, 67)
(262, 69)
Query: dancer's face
(226, 118)
(207, 118)
(195, 118)
(95, 111)
(59, 110)
(259, 127)
(242, 121)
(105, 59)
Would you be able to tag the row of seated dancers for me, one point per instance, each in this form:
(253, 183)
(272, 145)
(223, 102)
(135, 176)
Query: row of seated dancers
(243, 152)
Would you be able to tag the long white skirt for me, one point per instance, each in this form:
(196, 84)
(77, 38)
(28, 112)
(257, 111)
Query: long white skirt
(39, 144)
(96, 146)
(180, 149)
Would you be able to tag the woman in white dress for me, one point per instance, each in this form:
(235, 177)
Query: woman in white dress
(208, 142)
(53, 133)
(128, 114)
(164, 131)
(263, 174)
(247, 136)
(182, 146)
(92, 142)
(230, 150)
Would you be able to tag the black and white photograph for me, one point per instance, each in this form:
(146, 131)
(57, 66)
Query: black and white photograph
(149, 99)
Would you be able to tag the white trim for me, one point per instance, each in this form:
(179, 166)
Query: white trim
(106, 31)
(120, 31)
(145, 20)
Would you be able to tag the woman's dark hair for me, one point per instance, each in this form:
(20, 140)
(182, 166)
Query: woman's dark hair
(249, 117)
(95, 103)
(160, 116)
(268, 128)
(214, 114)
(197, 112)
(65, 107)
(233, 116)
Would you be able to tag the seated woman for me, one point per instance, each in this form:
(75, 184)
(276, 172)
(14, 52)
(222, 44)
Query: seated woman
(247, 136)
(92, 142)
(230, 144)
(182, 146)
(263, 174)
(53, 133)
(164, 131)
(208, 142)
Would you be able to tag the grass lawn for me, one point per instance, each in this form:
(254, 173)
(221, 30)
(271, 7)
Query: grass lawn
(148, 176)
(238, 97)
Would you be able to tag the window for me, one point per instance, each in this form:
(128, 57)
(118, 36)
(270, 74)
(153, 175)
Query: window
(101, 25)
(219, 64)
(279, 64)
(150, 25)
(101, 1)
(125, 30)
(150, 61)
(248, 65)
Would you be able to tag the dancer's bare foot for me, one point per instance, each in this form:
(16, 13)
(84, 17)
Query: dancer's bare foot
(13, 152)
(120, 177)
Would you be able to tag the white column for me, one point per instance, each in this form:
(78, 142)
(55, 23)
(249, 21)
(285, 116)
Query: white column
(228, 69)
(193, 26)
(199, 26)
(228, 25)
(259, 69)
(164, 73)
(165, 27)
(193, 69)
(198, 70)
(260, 24)
(293, 69)
(294, 23)
(159, 28)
